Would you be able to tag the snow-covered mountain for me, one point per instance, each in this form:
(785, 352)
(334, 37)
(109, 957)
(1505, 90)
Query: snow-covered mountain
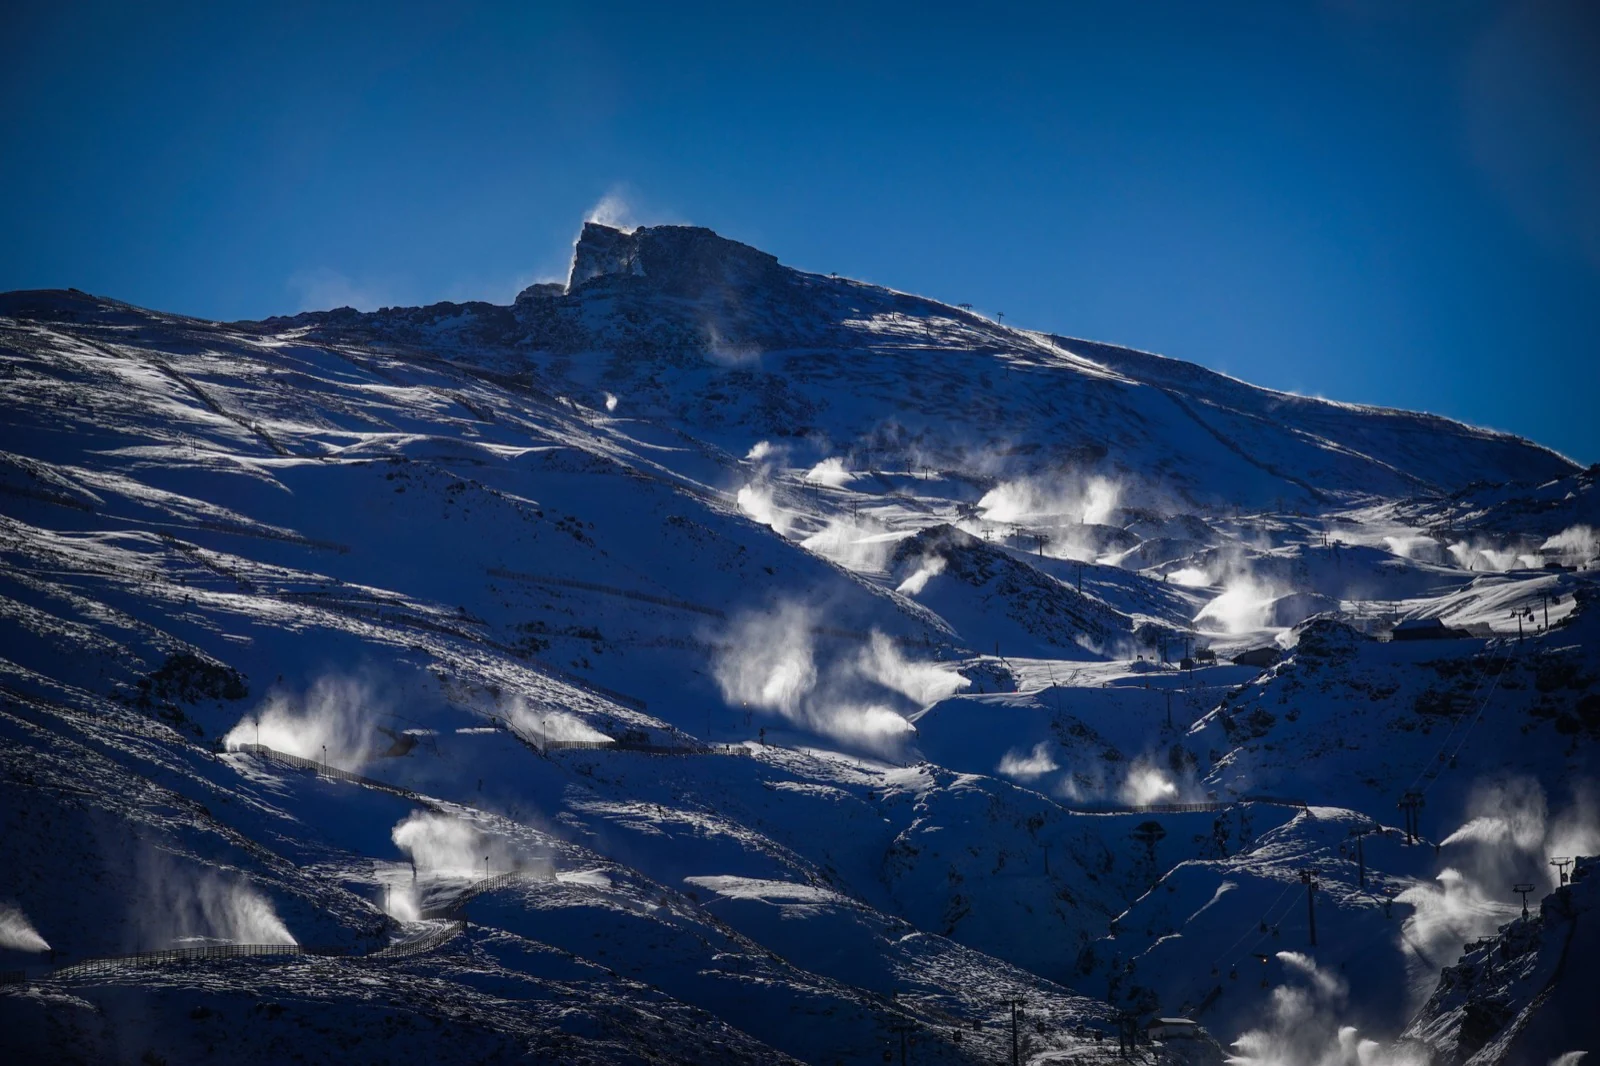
(765, 666)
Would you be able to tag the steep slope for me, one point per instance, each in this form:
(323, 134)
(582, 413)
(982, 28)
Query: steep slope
(1514, 998)
(768, 665)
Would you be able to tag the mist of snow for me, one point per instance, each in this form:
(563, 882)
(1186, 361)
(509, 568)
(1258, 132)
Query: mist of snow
(1030, 764)
(1483, 554)
(928, 568)
(830, 472)
(1574, 546)
(1088, 500)
(1303, 1026)
(855, 544)
(770, 661)
(1146, 783)
(1245, 605)
(729, 353)
(1415, 546)
(17, 933)
(613, 210)
(756, 498)
(443, 846)
(332, 722)
(547, 724)
(1508, 837)
(178, 904)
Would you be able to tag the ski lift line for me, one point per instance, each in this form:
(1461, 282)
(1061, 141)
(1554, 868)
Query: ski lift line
(1502, 651)
(1274, 925)
(1485, 706)
(1467, 732)
(1255, 923)
(1455, 723)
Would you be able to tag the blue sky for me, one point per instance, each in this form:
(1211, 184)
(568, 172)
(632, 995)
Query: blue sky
(1376, 205)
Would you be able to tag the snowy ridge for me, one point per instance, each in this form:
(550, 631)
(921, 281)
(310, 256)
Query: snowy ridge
(803, 663)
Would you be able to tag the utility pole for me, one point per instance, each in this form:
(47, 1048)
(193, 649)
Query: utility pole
(1015, 1004)
(905, 1029)
(1309, 879)
(1127, 1032)
(1523, 890)
(1411, 802)
(1361, 852)
(1561, 862)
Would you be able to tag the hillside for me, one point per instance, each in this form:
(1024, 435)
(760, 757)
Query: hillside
(709, 661)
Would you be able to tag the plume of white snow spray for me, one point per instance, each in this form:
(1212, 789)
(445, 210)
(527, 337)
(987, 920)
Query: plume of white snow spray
(182, 905)
(831, 472)
(1146, 783)
(336, 715)
(1482, 554)
(1302, 1027)
(1507, 837)
(441, 845)
(547, 725)
(1575, 546)
(755, 498)
(613, 210)
(17, 933)
(611, 401)
(770, 661)
(928, 568)
(1091, 500)
(1416, 546)
(1190, 577)
(756, 501)
(860, 545)
(1245, 605)
(1028, 765)
(920, 682)
(441, 849)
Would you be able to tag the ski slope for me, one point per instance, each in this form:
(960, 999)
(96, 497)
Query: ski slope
(819, 656)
